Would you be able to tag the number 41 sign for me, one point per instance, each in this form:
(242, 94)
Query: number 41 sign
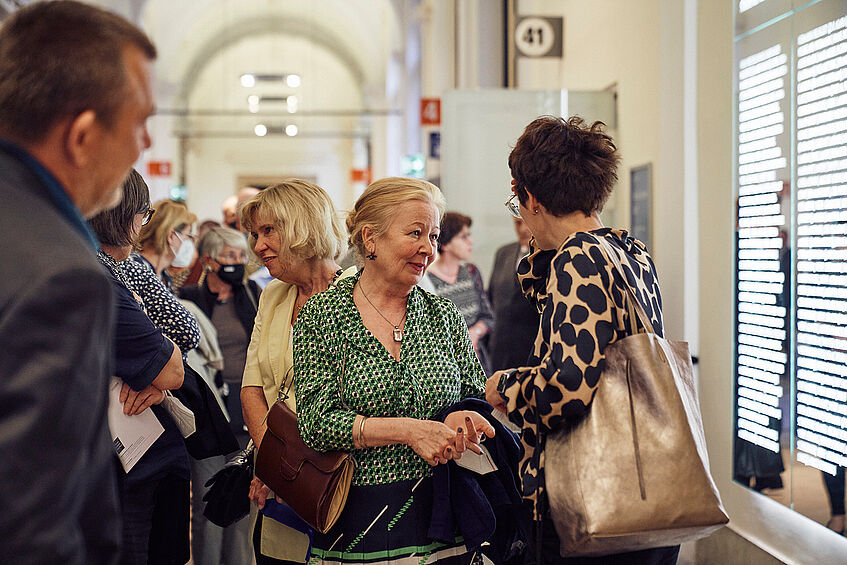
(539, 36)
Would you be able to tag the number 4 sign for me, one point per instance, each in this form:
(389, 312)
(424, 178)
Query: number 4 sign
(430, 111)
(537, 36)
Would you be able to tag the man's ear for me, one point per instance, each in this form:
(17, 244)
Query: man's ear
(80, 139)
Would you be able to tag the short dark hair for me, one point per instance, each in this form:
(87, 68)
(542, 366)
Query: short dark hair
(451, 224)
(114, 227)
(567, 165)
(59, 59)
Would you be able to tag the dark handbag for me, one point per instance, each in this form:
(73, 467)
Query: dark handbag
(314, 484)
(213, 435)
(634, 472)
(227, 500)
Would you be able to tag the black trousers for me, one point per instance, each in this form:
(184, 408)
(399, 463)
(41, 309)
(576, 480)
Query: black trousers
(835, 490)
(549, 549)
(155, 522)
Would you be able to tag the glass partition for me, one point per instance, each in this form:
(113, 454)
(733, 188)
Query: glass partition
(791, 253)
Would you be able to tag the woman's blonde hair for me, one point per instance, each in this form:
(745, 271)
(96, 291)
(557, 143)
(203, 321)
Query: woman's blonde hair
(378, 204)
(169, 215)
(304, 215)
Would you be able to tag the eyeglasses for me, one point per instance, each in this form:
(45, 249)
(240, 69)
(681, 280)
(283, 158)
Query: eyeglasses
(513, 208)
(147, 215)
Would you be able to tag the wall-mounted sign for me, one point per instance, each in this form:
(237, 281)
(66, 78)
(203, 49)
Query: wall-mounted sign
(539, 36)
(360, 175)
(430, 111)
(435, 145)
(640, 203)
(159, 168)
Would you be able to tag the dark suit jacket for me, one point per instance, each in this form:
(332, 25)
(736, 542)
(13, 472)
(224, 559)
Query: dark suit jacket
(58, 490)
(517, 319)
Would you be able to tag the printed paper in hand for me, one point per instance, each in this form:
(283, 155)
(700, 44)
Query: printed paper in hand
(132, 435)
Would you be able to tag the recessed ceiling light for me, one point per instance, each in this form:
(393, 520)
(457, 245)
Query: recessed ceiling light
(293, 81)
(261, 130)
(291, 130)
(248, 80)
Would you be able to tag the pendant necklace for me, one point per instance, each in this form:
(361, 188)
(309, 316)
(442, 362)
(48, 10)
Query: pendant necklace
(398, 333)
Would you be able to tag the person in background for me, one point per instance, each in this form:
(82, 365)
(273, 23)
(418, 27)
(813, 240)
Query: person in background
(385, 415)
(231, 305)
(453, 277)
(62, 159)
(167, 240)
(154, 493)
(229, 212)
(564, 171)
(517, 318)
(297, 234)
(195, 273)
(160, 304)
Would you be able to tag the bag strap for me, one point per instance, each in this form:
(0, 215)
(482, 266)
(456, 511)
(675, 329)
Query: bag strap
(634, 306)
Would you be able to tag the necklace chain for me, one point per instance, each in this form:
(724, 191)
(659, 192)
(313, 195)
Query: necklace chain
(398, 333)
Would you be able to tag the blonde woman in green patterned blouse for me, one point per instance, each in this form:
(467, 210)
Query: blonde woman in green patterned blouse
(375, 360)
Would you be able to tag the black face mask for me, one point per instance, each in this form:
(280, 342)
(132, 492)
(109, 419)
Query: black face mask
(234, 225)
(231, 274)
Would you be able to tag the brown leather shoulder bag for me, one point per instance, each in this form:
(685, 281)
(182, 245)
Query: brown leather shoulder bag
(314, 484)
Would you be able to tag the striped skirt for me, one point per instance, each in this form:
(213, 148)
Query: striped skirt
(387, 524)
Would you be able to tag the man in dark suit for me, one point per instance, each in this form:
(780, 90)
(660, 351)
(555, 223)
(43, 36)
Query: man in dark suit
(517, 319)
(75, 94)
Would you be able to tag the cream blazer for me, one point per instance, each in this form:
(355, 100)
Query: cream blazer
(270, 356)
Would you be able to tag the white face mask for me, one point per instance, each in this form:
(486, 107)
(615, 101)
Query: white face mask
(184, 254)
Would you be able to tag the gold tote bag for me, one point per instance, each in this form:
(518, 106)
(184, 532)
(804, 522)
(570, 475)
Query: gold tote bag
(634, 473)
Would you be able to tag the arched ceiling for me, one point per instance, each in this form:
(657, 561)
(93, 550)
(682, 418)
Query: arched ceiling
(361, 33)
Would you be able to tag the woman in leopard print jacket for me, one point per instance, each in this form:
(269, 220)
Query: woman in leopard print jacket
(564, 171)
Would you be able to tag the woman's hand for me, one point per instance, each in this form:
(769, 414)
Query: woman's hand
(433, 441)
(259, 492)
(136, 402)
(470, 427)
(492, 395)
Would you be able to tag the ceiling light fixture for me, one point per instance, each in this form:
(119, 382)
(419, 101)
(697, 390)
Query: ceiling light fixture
(260, 130)
(249, 80)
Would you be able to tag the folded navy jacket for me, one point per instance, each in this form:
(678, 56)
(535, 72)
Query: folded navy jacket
(482, 508)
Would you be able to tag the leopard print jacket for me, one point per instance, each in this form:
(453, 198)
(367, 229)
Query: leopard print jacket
(580, 297)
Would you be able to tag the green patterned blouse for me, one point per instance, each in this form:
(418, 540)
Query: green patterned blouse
(341, 369)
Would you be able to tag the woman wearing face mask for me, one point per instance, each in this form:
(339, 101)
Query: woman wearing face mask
(168, 240)
(230, 304)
